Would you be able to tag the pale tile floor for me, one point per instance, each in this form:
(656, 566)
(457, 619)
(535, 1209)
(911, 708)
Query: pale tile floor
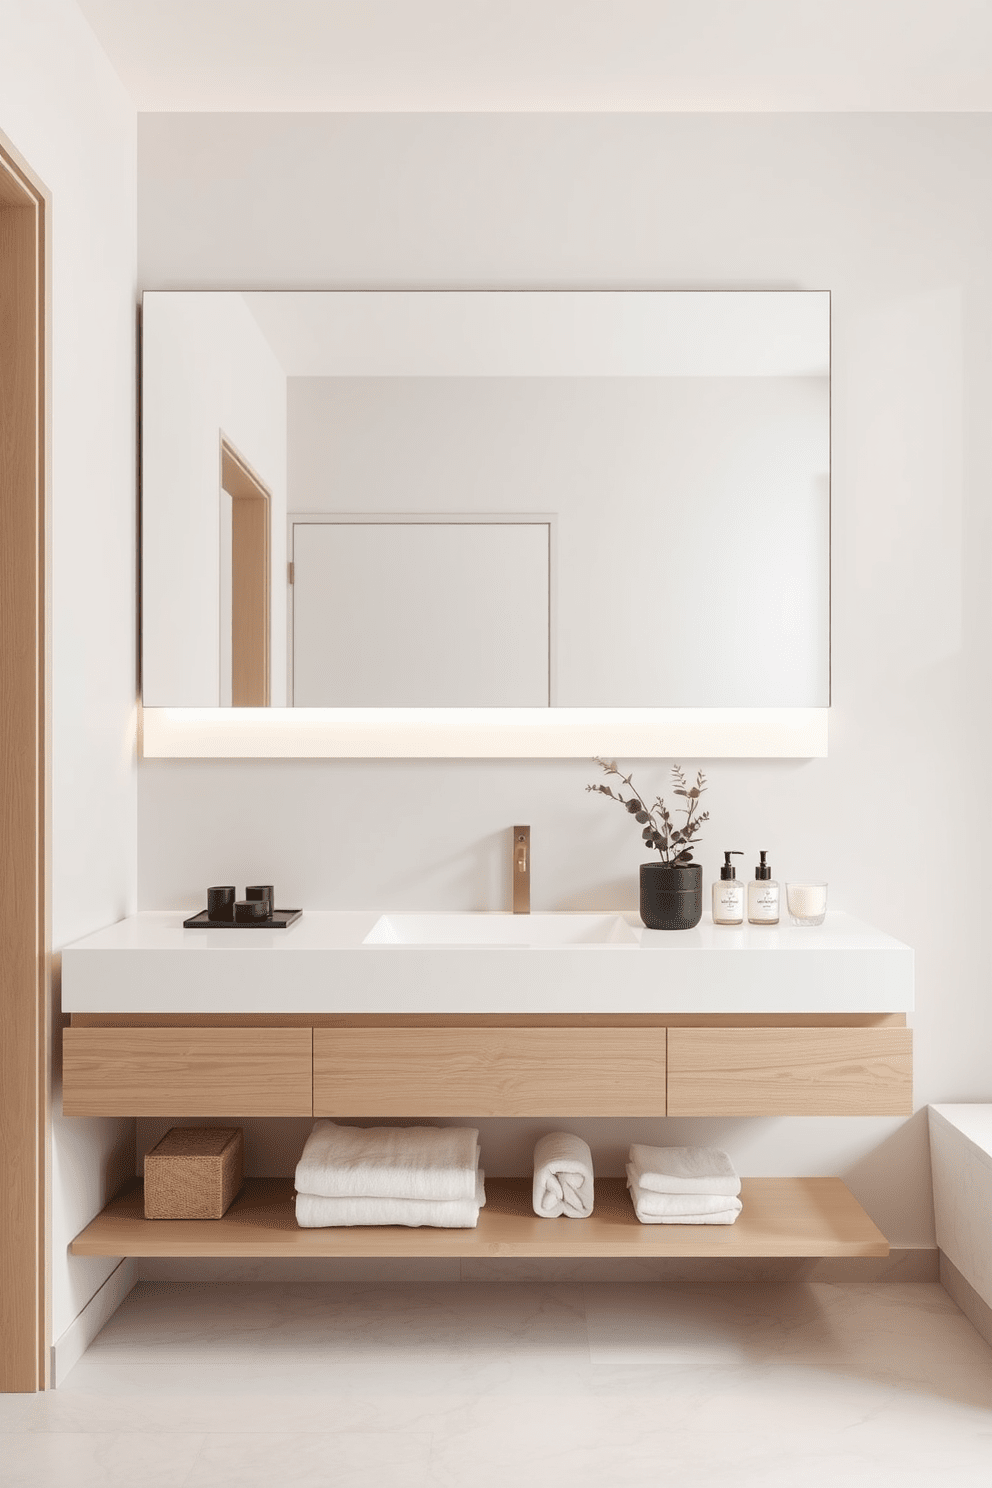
(472, 1384)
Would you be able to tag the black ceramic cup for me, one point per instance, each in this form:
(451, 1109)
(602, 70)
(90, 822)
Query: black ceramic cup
(251, 911)
(220, 902)
(262, 891)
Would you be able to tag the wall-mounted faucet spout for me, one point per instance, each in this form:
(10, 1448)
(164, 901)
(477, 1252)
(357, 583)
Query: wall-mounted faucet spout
(521, 870)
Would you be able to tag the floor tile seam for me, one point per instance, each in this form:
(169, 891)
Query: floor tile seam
(583, 1296)
(38, 1434)
(196, 1458)
(110, 1432)
(207, 1432)
(434, 1458)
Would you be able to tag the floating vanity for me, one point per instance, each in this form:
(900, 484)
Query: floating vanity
(358, 1015)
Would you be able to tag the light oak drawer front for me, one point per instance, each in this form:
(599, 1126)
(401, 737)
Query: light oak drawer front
(489, 1072)
(187, 1071)
(790, 1072)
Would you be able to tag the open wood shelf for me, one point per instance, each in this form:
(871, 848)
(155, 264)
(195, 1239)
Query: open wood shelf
(781, 1217)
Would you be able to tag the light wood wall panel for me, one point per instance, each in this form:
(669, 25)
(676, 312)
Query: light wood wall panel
(790, 1072)
(489, 1072)
(187, 1071)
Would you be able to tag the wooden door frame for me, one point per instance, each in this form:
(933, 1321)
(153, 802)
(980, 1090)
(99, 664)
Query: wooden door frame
(25, 958)
(251, 578)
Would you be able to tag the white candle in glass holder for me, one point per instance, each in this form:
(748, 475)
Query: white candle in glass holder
(807, 902)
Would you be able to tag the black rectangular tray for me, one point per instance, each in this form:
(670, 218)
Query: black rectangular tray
(278, 920)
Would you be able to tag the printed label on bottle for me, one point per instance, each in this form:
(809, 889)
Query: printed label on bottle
(762, 901)
(729, 901)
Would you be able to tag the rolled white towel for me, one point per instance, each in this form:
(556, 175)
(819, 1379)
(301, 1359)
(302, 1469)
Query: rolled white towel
(316, 1213)
(684, 1170)
(563, 1180)
(389, 1162)
(655, 1208)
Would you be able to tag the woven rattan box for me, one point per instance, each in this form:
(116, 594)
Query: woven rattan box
(195, 1172)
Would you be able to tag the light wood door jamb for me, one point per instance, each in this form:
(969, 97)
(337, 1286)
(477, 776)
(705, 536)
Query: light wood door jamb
(250, 580)
(25, 939)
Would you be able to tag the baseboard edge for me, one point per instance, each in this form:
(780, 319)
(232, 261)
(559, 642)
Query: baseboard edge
(72, 1345)
(972, 1304)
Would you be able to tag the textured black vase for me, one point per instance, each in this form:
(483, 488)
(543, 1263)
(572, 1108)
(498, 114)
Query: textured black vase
(671, 895)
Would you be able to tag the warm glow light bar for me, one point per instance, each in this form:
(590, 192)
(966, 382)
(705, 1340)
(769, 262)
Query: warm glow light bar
(483, 733)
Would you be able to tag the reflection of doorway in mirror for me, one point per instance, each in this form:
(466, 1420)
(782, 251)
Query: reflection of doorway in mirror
(226, 609)
(245, 583)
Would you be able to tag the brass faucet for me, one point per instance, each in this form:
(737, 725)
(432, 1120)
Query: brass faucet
(521, 870)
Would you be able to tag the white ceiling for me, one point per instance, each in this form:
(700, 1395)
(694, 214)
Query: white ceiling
(549, 55)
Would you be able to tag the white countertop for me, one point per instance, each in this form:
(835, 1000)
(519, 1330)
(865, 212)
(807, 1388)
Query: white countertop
(148, 963)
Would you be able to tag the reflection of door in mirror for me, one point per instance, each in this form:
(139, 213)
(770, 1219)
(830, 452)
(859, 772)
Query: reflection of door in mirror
(244, 584)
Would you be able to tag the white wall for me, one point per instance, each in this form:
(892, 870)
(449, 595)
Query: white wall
(892, 214)
(207, 371)
(63, 108)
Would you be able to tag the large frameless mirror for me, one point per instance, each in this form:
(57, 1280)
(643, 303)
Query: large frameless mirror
(506, 500)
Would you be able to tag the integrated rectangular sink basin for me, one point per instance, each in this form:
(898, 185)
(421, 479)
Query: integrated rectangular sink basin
(500, 930)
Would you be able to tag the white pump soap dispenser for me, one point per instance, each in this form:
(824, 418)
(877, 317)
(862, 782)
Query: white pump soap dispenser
(728, 894)
(762, 895)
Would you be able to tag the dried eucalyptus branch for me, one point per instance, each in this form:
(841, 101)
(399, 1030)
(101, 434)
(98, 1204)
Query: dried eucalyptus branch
(674, 844)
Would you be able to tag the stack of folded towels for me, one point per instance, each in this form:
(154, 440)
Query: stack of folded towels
(389, 1175)
(683, 1185)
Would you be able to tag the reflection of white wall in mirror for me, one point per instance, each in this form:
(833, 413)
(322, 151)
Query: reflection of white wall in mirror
(692, 527)
(226, 595)
(397, 614)
(212, 373)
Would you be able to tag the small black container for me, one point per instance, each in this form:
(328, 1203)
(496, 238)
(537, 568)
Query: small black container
(220, 902)
(262, 891)
(671, 895)
(248, 910)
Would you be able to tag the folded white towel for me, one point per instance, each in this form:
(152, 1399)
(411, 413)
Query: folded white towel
(315, 1213)
(703, 1170)
(655, 1208)
(562, 1176)
(723, 1217)
(389, 1162)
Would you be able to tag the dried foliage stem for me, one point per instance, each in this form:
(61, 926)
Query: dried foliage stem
(674, 844)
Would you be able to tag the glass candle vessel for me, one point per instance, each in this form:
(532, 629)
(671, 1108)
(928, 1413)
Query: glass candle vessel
(807, 903)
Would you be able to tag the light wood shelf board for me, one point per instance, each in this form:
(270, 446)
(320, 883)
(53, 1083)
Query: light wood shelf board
(781, 1217)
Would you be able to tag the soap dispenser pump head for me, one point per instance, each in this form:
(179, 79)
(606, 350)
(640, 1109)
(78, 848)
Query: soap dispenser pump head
(728, 870)
(762, 870)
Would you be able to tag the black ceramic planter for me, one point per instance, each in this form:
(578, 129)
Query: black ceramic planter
(671, 895)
